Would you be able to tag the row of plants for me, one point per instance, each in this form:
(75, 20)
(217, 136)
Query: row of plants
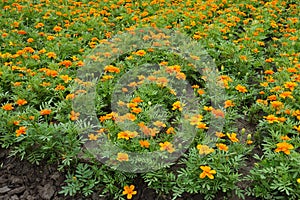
(154, 101)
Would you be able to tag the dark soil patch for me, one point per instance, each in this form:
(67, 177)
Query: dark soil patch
(21, 180)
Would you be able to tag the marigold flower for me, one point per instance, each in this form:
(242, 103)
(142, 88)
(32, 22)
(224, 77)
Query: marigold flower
(285, 137)
(290, 85)
(159, 124)
(129, 190)
(218, 113)
(241, 88)
(7, 107)
(57, 28)
(74, 115)
(166, 146)
(228, 103)
(136, 110)
(20, 131)
(207, 171)
(177, 105)
(65, 78)
(127, 135)
(140, 53)
(144, 143)
(170, 130)
(51, 55)
(21, 102)
(204, 149)
(137, 100)
(220, 134)
(111, 68)
(271, 118)
(284, 147)
(222, 147)
(45, 112)
(122, 157)
(93, 136)
(232, 137)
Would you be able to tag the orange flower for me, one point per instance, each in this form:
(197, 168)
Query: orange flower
(7, 107)
(127, 135)
(111, 68)
(136, 110)
(57, 28)
(207, 171)
(129, 190)
(66, 63)
(271, 118)
(20, 131)
(170, 130)
(74, 116)
(122, 157)
(144, 143)
(284, 147)
(65, 78)
(140, 53)
(166, 146)
(93, 136)
(285, 137)
(232, 137)
(159, 124)
(21, 102)
(45, 112)
(177, 105)
(286, 94)
(222, 146)
(218, 113)
(204, 149)
(290, 85)
(51, 55)
(137, 100)
(60, 87)
(220, 134)
(228, 103)
(241, 88)
(297, 128)
(276, 104)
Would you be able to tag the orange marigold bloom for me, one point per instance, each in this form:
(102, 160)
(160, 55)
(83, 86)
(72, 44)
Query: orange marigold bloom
(70, 96)
(57, 28)
(286, 94)
(20, 131)
(144, 143)
(60, 87)
(7, 106)
(276, 104)
(129, 190)
(21, 102)
(51, 55)
(228, 103)
(284, 147)
(45, 112)
(290, 85)
(170, 130)
(297, 128)
(159, 124)
(136, 110)
(111, 68)
(74, 115)
(66, 63)
(232, 137)
(137, 100)
(285, 137)
(177, 105)
(65, 78)
(204, 149)
(241, 88)
(122, 157)
(127, 135)
(140, 53)
(218, 113)
(93, 136)
(271, 118)
(222, 146)
(166, 146)
(207, 171)
(220, 134)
